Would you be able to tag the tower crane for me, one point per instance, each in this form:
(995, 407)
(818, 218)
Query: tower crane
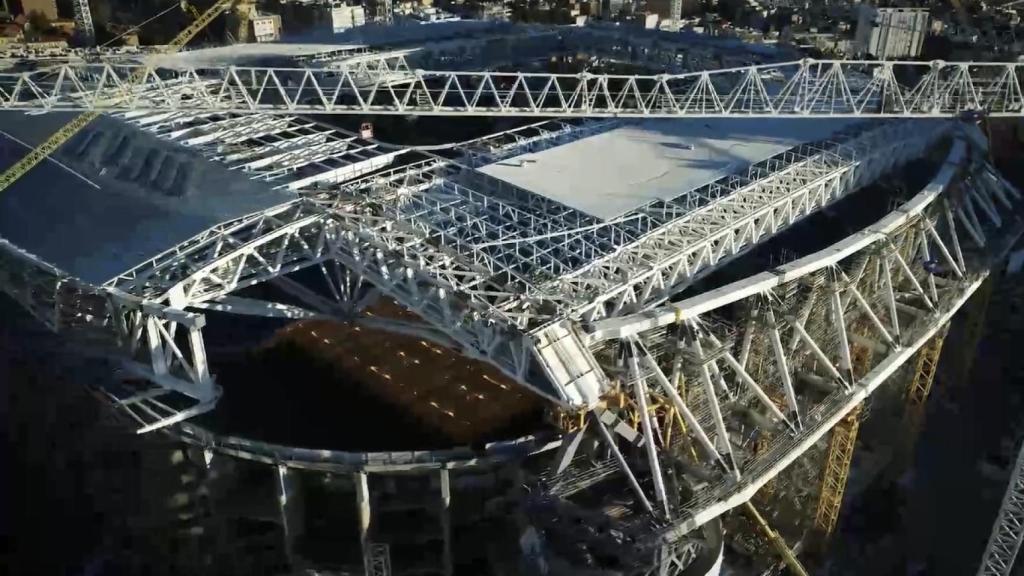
(61, 136)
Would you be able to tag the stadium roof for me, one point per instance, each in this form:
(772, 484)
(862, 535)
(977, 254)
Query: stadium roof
(611, 173)
(117, 196)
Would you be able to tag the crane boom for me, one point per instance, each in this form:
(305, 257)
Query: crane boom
(20, 168)
(384, 84)
(197, 25)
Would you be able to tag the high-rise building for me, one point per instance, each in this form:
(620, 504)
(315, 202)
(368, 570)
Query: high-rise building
(670, 11)
(266, 27)
(47, 8)
(890, 33)
(612, 8)
(344, 17)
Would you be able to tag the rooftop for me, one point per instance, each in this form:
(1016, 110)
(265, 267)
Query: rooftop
(611, 173)
(246, 53)
(114, 195)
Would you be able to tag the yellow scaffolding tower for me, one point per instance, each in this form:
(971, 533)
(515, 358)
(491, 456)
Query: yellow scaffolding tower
(837, 468)
(21, 167)
(776, 540)
(974, 327)
(839, 455)
(921, 386)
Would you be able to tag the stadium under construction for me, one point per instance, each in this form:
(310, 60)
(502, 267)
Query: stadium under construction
(588, 343)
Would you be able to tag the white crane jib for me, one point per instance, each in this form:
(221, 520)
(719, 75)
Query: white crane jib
(806, 88)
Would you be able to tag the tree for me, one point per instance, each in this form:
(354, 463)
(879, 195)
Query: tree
(38, 21)
(102, 13)
(37, 24)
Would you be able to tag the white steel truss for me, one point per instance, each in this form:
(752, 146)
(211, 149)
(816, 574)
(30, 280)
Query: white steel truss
(83, 20)
(430, 280)
(502, 265)
(566, 304)
(712, 224)
(805, 88)
(465, 252)
(380, 68)
(881, 278)
(156, 344)
(288, 152)
(1008, 530)
(299, 155)
(46, 53)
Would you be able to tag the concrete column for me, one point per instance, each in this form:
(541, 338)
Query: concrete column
(291, 506)
(363, 502)
(446, 520)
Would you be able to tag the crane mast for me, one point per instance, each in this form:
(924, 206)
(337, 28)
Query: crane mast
(83, 21)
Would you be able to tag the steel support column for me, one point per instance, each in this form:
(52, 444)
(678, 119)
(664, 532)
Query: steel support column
(292, 509)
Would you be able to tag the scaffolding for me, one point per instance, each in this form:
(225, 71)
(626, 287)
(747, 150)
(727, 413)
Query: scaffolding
(920, 387)
(378, 560)
(841, 445)
(974, 328)
(776, 540)
(837, 469)
(1008, 530)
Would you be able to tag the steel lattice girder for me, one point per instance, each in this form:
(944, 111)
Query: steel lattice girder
(154, 342)
(561, 263)
(1008, 529)
(397, 259)
(496, 253)
(274, 147)
(726, 218)
(290, 153)
(832, 88)
(837, 467)
(975, 182)
(874, 277)
(83, 20)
